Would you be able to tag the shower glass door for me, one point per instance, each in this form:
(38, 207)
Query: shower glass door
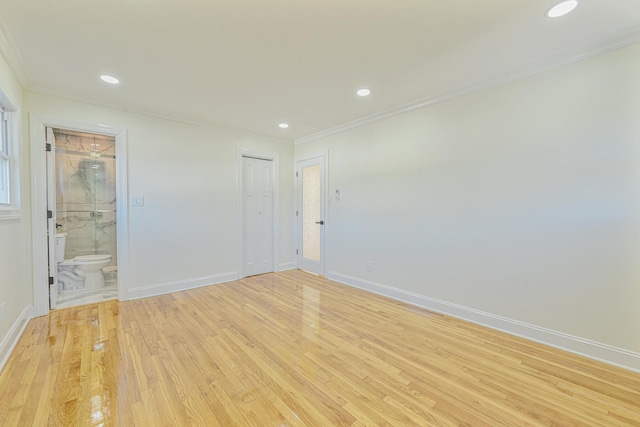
(85, 176)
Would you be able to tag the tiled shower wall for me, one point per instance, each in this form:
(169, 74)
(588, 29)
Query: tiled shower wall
(86, 192)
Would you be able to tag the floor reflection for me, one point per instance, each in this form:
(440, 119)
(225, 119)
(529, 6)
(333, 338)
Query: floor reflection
(310, 313)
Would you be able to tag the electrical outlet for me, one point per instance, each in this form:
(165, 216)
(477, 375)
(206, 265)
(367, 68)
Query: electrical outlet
(2, 307)
(369, 265)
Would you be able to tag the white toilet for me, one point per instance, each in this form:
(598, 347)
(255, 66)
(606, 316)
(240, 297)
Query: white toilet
(81, 272)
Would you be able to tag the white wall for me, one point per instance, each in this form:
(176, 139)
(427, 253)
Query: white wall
(15, 267)
(186, 234)
(521, 201)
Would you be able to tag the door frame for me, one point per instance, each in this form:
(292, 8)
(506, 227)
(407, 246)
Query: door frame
(240, 153)
(37, 136)
(323, 156)
(51, 222)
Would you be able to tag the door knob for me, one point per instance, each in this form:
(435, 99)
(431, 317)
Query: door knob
(320, 222)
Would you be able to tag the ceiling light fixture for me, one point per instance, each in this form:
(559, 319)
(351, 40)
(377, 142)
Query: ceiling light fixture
(283, 125)
(562, 8)
(363, 92)
(110, 79)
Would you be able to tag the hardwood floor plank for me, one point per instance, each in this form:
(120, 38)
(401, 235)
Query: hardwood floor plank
(286, 386)
(293, 349)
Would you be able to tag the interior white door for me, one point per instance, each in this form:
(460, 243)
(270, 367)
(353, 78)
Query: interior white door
(257, 247)
(310, 176)
(51, 221)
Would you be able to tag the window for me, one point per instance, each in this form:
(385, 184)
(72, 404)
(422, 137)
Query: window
(5, 159)
(9, 160)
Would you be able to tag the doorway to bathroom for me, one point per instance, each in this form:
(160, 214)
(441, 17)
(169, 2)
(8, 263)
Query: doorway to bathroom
(44, 215)
(82, 211)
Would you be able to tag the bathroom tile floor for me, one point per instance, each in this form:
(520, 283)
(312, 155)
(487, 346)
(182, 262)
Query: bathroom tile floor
(81, 297)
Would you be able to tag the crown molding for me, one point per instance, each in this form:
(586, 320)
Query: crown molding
(43, 90)
(536, 67)
(11, 54)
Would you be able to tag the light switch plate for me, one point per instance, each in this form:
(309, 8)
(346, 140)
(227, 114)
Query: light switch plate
(137, 201)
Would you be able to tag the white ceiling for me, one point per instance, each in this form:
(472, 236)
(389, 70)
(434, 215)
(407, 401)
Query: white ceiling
(252, 64)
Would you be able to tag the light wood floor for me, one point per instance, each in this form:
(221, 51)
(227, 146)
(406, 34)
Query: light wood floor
(291, 349)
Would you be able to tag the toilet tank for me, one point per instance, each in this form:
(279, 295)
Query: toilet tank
(61, 242)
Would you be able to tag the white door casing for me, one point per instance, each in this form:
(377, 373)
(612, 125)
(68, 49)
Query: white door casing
(51, 222)
(311, 213)
(258, 216)
(39, 202)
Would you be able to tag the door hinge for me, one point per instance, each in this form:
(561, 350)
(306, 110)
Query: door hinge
(47, 147)
(49, 214)
(296, 213)
(51, 280)
(296, 252)
(296, 174)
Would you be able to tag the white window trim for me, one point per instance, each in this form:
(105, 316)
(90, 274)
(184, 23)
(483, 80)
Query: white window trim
(13, 210)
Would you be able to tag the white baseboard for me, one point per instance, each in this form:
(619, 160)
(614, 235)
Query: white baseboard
(287, 266)
(13, 336)
(181, 285)
(594, 350)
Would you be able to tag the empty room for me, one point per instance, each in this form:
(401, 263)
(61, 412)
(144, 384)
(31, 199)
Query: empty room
(320, 213)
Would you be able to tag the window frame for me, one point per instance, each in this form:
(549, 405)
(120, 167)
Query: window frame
(5, 157)
(9, 153)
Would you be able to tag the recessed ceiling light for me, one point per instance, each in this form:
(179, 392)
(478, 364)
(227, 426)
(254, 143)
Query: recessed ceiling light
(363, 92)
(562, 8)
(110, 79)
(283, 125)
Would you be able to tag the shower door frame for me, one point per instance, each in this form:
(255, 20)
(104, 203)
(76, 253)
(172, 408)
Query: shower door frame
(37, 126)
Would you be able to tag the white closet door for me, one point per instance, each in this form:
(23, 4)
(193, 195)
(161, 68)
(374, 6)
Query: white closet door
(257, 216)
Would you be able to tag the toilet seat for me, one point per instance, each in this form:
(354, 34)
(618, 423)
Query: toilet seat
(85, 259)
(82, 272)
(91, 258)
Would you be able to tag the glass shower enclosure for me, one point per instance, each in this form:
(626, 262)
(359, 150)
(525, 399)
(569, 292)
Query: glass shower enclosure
(85, 186)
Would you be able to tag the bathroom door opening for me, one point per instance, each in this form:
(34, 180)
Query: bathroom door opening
(82, 217)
